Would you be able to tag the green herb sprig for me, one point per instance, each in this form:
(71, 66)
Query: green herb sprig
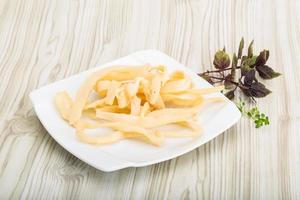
(253, 69)
(260, 119)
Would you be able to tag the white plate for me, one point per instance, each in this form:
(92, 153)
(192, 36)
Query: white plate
(128, 153)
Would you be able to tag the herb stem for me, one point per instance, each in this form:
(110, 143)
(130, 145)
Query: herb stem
(222, 79)
(218, 71)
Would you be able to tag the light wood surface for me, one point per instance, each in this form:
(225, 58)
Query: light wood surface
(42, 41)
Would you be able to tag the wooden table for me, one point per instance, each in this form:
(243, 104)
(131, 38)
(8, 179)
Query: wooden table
(45, 41)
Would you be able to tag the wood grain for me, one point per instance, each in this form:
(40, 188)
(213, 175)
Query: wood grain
(43, 41)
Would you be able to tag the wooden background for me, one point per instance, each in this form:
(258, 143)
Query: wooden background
(42, 41)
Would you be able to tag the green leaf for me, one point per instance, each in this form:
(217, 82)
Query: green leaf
(243, 59)
(267, 122)
(241, 47)
(245, 69)
(233, 66)
(221, 60)
(258, 124)
(250, 61)
(250, 49)
(241, 106)
(261, 120)
(249, 114)
(266, 72)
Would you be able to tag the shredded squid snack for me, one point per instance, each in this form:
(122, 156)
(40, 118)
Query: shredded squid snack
(135, 102)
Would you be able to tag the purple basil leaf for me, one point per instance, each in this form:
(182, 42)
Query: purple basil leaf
(257, 90)
(227, 83)
(249, 78)
(267, 72)
(207, 78)
(262, 58)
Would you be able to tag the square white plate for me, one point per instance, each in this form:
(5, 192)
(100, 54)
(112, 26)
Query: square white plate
(128, 153)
